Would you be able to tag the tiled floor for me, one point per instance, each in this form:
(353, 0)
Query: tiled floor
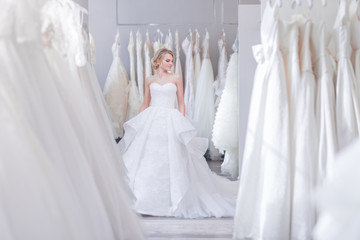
(161, 228)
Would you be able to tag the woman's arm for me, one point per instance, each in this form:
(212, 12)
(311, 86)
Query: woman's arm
(147, 96)
(180, 94)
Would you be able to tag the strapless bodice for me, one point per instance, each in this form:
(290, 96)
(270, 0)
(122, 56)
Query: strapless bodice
(163, 95)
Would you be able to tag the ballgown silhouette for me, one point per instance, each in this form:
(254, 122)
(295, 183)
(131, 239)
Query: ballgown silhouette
(167, 171)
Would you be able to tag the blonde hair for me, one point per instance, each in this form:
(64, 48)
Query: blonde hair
(158, 55)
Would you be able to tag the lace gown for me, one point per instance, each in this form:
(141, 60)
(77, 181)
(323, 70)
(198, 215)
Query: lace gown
(225, 129)
(347, 101)
(167, 171)
(219, 83)
(139, 66)
(204, 112)
(189, 94)
(263, 205)
(134, 101)
(116, 86)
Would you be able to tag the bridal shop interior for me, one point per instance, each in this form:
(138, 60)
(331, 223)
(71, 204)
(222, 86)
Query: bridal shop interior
(165, 119)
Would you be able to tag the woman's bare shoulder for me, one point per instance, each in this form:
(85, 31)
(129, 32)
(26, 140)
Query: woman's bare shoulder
(175, 77)
(149, 79)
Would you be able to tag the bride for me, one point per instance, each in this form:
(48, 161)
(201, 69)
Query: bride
(166, 169)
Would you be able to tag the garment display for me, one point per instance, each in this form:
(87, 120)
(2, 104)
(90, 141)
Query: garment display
(147, 60)
(204, 110)
(189, 93)
(225, 131)
(347, 101)
(116, 86)
(80, 188)
(139, 66)
(134, 101)
(220, 79)
(263, 204)
(166, 168)
(197, 59)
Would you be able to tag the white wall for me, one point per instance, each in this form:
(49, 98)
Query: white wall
(103, 26)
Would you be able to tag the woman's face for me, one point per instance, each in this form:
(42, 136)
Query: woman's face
(167, 62)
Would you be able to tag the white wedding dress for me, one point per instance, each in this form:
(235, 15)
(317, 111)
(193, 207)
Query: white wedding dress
(178, 69)
(347, 101)
(65, 204)
(204, 110)
(116, 87)
(225, 130)
(197, 60)
(263, 205)
(324, 69)
(305, 140)
(189, 93)
(169, 45)
(355, 43)
(139, 66)
(147, 59)
(220, 79)
(167, 171)
(134, 101)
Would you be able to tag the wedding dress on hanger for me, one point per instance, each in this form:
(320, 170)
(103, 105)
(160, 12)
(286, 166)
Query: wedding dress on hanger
(324, 69)
(204, 110)
(197, 60)
(38, 201)
(220, 79)
(169, 45)
(147, 61)
(134, 101)
(225, 130)
(157, 44)
(116, 86)
(169, 41)
(189, 94)
(166, 168)
(347, 101)
(178, 69)
(42, 109)
(139, 66)
(263, 204)
(305, 150)
(97, 145)
(355, 42)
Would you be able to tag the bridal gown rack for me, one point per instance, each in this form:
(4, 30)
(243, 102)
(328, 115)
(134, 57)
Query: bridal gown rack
(66, 181)
(195, 97)
(304, 109)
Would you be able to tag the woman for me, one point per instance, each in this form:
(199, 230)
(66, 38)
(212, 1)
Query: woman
(167, 171)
